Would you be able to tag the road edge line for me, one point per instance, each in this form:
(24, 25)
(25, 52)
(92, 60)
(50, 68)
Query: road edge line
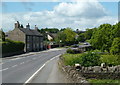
(30, 79)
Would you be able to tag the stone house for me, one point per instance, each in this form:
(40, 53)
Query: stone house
(31, 37)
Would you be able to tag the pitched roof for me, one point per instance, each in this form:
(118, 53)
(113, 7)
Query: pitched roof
(30, 31)
(53, 35)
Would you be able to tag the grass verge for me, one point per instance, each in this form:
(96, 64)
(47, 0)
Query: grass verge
(104, 82)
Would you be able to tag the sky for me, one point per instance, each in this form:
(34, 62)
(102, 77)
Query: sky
(77, 15)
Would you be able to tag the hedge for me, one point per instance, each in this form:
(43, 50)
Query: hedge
(10, 46)
(110, 60)
(85, 59)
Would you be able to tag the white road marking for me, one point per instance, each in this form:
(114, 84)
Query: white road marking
(4, 69)
(14, 65)
(22, 63)
(16, 59)
(34, 74)
(30, 79)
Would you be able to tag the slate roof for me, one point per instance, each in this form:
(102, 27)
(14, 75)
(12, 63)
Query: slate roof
(53, 35)
(28, 31)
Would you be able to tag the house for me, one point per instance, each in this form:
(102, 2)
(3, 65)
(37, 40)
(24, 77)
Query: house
(31, 37)
(51, 36)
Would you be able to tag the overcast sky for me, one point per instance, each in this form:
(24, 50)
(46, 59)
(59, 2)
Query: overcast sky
(77, 15)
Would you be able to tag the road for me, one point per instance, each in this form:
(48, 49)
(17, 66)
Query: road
(19, 70)
(53, 75)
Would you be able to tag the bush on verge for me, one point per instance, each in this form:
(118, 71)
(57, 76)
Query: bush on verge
(110, 59)
(90, 59)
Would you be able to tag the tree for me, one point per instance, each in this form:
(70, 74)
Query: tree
(116, 30)
(67, 36)
(88, 33)
(81, 37)
(60, 36)
(70, 36)
(2, 35)
(101, 38)
(115, 48)
(63, 29)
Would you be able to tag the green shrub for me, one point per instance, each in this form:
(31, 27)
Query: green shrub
(110, 59)
(73, 51)
(115, 48)
(12, 46)
(86, 59)
(96, 51)
(71, 59)
(90, 59)
(70, 51)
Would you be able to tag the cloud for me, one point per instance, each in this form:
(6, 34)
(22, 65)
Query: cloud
(81, 9)
(79, 15)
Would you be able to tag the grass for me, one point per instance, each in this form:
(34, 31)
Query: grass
(111, 59)
(85, 59)
(71, 59)
(88, 59)
(104, 81)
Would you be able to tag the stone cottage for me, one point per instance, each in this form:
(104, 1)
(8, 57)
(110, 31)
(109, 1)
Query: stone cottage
(31, 37)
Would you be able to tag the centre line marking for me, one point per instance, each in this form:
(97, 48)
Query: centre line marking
(14, 65)
(4, 69)
(22, 63)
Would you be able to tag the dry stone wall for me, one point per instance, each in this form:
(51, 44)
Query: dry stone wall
(97, 72)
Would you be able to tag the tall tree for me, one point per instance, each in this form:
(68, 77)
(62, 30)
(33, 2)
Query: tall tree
(70, 36)
(115, 49)
(67, 36)
(101, 38)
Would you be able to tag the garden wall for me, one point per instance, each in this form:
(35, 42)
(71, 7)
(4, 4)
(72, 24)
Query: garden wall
(97, 72)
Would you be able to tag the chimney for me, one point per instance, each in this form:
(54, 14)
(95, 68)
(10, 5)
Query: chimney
(28, 26)
(36, 28)
(17, 25)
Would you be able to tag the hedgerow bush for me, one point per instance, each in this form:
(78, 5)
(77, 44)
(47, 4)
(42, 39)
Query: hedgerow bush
(110, 59)
(70, 51)
(12, 46)
(85, 59)
(71, 59)
(73, 51)
(90, 59)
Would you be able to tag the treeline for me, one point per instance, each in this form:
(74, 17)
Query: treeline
(105, 38)
(64, 36)
(50, 30)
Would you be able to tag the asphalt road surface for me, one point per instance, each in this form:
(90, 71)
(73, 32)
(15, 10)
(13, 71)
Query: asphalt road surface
(19, 70)
(51, 74)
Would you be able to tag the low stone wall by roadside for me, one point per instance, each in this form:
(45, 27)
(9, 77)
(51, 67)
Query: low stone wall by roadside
(72, 74)
(97, 72)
